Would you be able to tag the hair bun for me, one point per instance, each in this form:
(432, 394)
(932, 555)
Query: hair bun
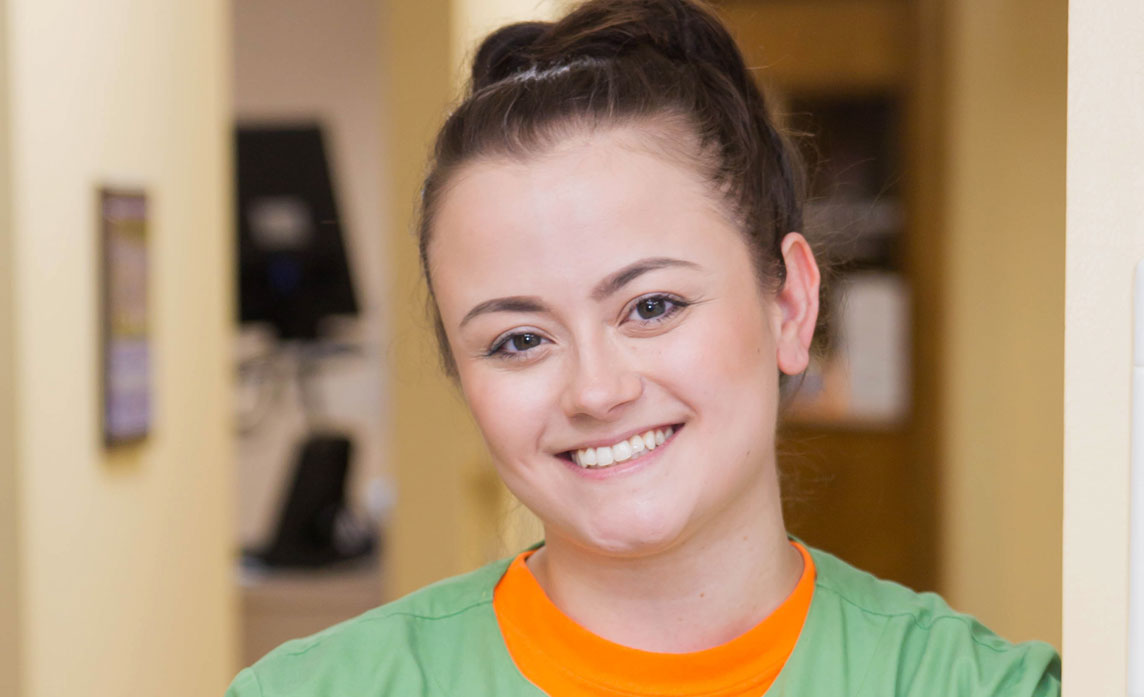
(683, 31)
(505, 52)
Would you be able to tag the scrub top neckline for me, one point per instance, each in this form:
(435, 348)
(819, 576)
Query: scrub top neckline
(563, 658)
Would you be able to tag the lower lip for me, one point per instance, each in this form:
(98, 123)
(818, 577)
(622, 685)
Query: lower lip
(625, 467)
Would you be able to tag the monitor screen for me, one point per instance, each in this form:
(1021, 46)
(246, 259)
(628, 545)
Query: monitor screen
(292, 263)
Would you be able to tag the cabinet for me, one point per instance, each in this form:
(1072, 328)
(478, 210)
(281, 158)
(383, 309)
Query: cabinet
(277, 605)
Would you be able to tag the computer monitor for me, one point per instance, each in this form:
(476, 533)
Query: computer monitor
(292, 264)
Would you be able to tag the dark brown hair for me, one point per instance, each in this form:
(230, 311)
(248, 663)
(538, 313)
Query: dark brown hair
(664, 63)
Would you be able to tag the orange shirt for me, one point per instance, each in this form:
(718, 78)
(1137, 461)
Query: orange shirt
(562, 658)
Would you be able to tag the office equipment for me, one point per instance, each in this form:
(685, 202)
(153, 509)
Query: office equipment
(315, 527)
(292, 264)
(294, 275)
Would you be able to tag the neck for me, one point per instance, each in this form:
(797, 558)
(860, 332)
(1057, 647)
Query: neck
(699, 593)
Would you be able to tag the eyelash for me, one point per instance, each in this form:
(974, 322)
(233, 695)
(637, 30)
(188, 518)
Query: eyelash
(675, 304)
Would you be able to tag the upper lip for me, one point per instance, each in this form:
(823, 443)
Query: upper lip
(609, 441)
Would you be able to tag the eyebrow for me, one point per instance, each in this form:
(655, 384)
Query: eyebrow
(606, 287)
(632, 271)
(516, 303)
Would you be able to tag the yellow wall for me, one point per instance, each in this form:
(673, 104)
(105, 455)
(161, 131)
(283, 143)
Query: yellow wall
(124, 559)
(1105, 239)
(1004, 288)
(9, 515)
(432, 436)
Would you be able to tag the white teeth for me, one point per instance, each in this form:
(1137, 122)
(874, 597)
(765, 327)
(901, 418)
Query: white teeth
(623, 451)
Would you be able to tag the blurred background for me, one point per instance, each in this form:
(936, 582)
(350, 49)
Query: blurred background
(301, 458)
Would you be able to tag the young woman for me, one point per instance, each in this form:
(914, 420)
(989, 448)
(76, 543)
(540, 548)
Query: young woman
(609, 233)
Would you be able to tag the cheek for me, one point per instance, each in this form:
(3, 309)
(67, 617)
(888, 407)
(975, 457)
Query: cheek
(509, 407)
(719, 353)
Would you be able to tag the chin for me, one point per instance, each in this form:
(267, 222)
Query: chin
(633, 535)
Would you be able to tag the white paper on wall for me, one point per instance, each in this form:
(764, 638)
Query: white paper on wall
(873, 336)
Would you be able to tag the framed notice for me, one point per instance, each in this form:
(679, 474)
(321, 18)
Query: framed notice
(126, 354)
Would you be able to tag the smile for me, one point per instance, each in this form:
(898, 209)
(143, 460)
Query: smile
(623, 451)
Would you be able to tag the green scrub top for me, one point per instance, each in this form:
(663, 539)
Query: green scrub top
(862, 637)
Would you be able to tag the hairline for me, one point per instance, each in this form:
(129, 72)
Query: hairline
(668, 137)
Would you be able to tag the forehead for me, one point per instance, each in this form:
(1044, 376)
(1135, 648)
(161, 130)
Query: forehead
(589, 205)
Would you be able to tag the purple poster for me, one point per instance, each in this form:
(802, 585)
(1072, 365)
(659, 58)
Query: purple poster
(126, 347)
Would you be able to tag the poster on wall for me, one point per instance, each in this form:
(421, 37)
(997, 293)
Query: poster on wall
(126, 369)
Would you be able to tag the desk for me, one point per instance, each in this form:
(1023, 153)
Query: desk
(278, 604)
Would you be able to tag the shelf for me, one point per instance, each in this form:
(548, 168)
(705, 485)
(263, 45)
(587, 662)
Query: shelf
(785, 39)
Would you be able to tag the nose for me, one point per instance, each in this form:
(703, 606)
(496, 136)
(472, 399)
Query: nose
(601, 381)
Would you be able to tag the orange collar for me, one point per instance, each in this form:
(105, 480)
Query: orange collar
(562, 658)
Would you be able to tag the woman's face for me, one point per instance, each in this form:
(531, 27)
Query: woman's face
(595, 296)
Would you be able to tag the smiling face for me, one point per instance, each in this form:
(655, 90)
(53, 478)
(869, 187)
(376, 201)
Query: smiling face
(600, 306)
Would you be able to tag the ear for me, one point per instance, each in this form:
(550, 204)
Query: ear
(797, 303)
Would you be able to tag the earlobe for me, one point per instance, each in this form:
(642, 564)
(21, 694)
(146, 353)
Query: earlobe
(798, 302)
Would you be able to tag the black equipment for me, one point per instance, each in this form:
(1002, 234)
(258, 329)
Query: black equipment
(315, 527)
(291, 254)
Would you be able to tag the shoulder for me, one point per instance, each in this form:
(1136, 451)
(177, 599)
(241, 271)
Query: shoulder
(392, 649)
(909, 643)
